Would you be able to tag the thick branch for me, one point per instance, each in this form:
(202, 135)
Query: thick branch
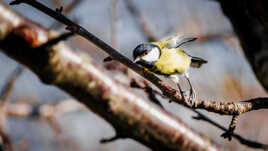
(77, 75)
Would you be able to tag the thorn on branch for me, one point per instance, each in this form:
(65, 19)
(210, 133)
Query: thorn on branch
(228, 134)
(59, 10)
(198, 117)
(112, 139)
(73, 29)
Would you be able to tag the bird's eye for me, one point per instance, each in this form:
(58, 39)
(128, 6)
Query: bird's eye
(146, 53)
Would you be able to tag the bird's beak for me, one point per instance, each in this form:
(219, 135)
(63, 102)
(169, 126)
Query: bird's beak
(137, 59)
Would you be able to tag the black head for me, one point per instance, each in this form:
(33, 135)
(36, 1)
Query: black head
(144, 49)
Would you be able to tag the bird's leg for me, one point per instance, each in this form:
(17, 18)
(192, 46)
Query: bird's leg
(175, 79)
(192, 95)
(181, 92)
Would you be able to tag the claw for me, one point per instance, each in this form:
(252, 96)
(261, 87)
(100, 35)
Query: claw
(192, 94)
(190, 97)
(181, 92)
(175, 79)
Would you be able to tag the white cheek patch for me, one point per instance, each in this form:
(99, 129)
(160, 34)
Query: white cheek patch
(152, 56)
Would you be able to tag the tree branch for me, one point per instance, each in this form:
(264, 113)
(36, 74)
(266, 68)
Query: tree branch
(75, 73)
(242, 140)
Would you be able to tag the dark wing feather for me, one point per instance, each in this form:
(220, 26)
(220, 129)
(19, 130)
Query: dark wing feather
(197, 62)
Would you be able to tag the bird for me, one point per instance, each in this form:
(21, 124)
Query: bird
(167, 58)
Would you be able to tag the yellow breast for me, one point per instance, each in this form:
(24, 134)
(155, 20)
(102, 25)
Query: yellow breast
(173, 61)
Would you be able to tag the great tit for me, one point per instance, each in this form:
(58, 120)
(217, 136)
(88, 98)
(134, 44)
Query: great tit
(167, 58)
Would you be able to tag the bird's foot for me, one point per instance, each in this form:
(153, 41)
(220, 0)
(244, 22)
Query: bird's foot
(191, 96)
(182, 93)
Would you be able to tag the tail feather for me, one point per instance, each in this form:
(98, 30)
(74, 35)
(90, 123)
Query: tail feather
(197, 62)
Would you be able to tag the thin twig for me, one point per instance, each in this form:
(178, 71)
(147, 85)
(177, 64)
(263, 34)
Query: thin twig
(242, 140)
(113, 138)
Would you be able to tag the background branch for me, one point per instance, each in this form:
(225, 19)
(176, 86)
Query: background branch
(142, 22)
(5, 97)
(249, 20)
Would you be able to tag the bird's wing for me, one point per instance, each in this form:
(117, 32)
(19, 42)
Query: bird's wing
(175, 41)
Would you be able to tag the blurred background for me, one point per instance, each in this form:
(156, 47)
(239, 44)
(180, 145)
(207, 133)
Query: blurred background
(226, 77)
